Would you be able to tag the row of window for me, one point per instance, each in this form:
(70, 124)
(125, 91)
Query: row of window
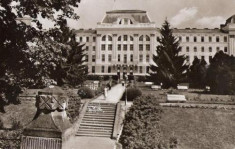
(202, 49)
(119, 58)
(136, 69)
(125, 47)
(147, 38)
(200, 57)
(203, 39)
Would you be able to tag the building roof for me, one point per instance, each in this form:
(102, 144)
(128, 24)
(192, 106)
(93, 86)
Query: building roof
(138, 16)
(230, 20)
(125, 11)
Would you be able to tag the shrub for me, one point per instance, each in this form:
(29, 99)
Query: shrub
(85, 92)
(132, 93)
(15, 123)
(99, 90)
(141, 125)
(1, 124)
(73, 105)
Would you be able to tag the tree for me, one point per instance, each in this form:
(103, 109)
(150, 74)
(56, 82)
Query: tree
(75, 68)
(197, 73)
(170, 67)
(21, 65)
(221, 74)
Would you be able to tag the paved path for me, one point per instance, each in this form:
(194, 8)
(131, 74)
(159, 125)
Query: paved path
(89, 143)
(114, 95)
(76, 142)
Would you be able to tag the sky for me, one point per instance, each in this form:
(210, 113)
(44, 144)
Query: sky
(180, 13)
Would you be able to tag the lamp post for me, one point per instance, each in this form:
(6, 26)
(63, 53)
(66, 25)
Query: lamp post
(126, 88)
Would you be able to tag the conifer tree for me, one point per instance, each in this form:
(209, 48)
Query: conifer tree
(197, 73)
(170, 67)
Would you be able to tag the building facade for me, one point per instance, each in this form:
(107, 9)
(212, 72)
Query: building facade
(126, 40)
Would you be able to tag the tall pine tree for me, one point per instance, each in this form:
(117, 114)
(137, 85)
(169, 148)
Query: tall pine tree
(170, 67)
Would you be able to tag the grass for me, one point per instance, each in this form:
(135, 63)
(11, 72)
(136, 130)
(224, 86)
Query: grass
(199, 128)
(23, 112)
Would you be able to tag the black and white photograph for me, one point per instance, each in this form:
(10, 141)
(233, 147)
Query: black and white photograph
(117, 74)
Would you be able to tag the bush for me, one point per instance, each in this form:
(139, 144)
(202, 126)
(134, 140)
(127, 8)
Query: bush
(15, 123)
(1, 124)
(73, 105)
(141, 125)
(132, 93)
(99, 90)
(85, 92)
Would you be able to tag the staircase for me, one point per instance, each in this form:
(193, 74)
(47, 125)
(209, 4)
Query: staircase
(98, 120)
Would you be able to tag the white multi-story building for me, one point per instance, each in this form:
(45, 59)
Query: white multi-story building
(126, 40)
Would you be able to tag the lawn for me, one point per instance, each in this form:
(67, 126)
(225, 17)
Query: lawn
(199, 128)
(23, 112)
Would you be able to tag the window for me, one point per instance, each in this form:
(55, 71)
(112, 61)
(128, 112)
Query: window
(195, 57)
(87, 39)
(210, 49)
(131, 38)
(203, 57)
(141, 58)
(80, 39)
(147, 38)
(93, 69)
(147, 58)
(125, 37)
(87, 48)
(119, 57)
(119, 38)
(195, 39)
(195, 49)
(103, 58)
(110, 58)
(210, 39)
(94, 39)
(180, 38)
(141, 38)
(158, 38)
(103, 47)
(217, 38)
(125, 58)
(141, 69)
(225, 39)
(202, 39)
(131, 47)
(147, 47)
(109, 69)
(217, 49)
(202, 49)
(119, 47)
(93, 58)
(180, 49)
(125, 47)
(110, 47)
(187, 49)
(109, 38)
(140, 47)
(187, 39)
(225, 49)
(147, 69)
(93, 48)
(102, 69)
(86, 59)
(131, 57)
(103, 38)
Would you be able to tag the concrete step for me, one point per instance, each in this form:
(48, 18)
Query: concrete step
(97, 125)
(98, 119)
(85, 127)
(95, 135)
(98, 122)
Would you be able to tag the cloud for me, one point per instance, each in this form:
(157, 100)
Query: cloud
(214, 21)
(184, 15)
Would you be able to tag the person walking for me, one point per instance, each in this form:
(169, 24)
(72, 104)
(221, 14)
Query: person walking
(105, 92)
